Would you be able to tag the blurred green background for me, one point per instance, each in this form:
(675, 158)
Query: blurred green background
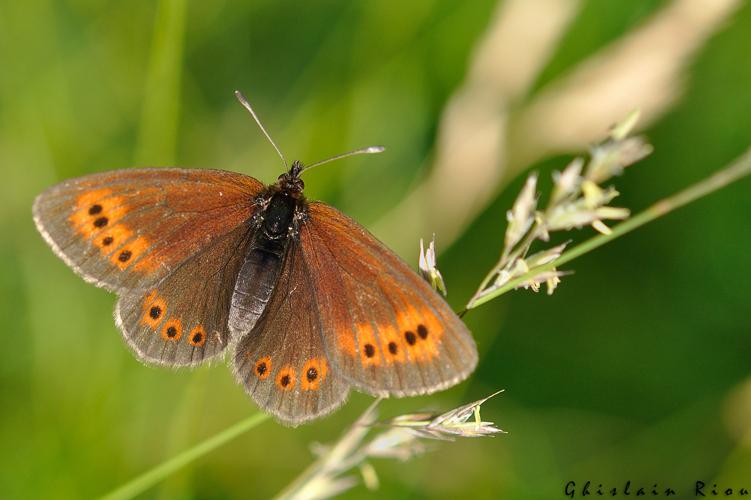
(638, 368)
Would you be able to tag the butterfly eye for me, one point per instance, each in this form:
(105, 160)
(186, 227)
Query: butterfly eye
(290, 183)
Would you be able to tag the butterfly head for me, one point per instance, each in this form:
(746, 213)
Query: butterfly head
(291, 182)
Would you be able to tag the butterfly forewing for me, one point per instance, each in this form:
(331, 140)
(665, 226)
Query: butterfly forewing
(282, 362)
(130, 228)
(385, 329)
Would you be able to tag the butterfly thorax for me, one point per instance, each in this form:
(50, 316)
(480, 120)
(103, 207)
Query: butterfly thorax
(278, 216)
(281, 211)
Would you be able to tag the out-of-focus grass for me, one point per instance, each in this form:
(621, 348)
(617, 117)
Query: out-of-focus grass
(623, 374)
(157, 136)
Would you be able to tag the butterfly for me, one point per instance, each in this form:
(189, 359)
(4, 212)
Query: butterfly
(307, 302)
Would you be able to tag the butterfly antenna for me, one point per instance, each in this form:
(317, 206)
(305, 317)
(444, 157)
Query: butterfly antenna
(247, 106)
(362, 151)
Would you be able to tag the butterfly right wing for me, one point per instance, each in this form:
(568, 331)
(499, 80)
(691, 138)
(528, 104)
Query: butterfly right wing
(130, 228)
(168, 241)
(182, 319)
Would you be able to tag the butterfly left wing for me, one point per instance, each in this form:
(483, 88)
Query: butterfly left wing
(282, 362)
(386, 330)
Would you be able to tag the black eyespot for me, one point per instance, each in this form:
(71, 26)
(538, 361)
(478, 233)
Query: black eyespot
(410, 337)
(197, 337)
(171, 332)
(392, 347)
(284, 380)
(312, 374)
(369, 350)
(261, 368)
(107, 241)
(155, 312)
(124, 255)
(101, 222)
(422, 331)
(95, 209)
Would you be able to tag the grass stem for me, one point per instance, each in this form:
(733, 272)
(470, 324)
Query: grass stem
(148, 479)
(741, 167)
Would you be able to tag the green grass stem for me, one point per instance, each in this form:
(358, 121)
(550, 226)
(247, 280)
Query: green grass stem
(741, 167)
(139, 484)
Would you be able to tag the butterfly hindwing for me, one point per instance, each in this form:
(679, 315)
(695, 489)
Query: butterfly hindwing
(282, 362)
(182, 319)
(130, 228)
(385, 328)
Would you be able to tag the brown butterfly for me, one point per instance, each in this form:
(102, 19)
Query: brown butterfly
(308, 301)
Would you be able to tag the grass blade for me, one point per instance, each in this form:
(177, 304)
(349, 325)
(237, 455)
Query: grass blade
(148, 479)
